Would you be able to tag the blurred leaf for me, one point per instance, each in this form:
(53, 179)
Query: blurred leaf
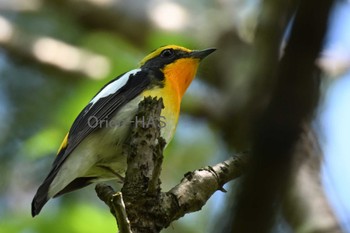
(122, 54)
(42, 143)
(161, 38)
(78, 218)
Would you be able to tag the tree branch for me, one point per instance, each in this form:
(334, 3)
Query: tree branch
(306, 207)
(198, 186)
(294, 98)
(147, 208)
(116, 205)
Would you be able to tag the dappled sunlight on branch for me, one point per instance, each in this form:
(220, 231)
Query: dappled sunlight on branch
(20, 5)
(169, 16)
(53, 52)
(334, 62)
(102, 3)
(71, 58)
(6, 30)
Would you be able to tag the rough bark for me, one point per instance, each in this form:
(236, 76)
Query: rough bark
(148, 209)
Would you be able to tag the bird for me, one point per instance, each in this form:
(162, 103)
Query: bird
(91, 152)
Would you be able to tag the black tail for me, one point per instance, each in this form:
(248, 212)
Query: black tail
(41, 197)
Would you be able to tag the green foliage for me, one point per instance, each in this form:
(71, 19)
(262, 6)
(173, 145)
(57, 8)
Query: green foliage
(160, 38)
(73, 219)
(123, 55)
(41, 103)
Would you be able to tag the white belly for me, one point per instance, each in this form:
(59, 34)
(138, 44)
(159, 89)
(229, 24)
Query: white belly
(100, 154)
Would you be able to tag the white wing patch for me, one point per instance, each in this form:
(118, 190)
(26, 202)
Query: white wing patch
(114, 86)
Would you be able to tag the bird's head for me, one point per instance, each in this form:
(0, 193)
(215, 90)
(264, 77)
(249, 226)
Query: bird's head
(178, 64)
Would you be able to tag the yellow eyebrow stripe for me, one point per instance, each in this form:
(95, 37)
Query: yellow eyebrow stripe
(63, 144)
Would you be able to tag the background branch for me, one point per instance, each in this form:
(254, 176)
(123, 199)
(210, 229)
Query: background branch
(294, 98)
(306, 203)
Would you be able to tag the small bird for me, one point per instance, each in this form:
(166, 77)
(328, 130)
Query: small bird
(92, 149)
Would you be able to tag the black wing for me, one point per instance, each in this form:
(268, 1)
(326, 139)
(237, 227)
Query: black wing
(103, 109)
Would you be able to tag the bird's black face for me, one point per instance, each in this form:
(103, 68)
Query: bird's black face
(166, 56)
(170, 54)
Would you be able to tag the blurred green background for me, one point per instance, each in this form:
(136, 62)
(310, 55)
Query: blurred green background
(56, 54)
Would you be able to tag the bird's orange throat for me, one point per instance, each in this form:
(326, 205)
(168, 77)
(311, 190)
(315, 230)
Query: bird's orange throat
(181, 73)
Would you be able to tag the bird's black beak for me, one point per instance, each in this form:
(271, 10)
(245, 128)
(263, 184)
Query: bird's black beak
(201, 54)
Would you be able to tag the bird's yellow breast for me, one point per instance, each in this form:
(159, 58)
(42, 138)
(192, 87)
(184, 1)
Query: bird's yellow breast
(177, 78)
(171, 111)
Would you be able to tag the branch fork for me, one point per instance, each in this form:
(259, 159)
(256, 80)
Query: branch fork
(146, 208)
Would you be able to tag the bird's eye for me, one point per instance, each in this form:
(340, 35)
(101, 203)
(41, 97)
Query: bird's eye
(167, 53)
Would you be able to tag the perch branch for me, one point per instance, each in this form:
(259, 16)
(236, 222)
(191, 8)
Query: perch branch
(147, 208)
(198, 186)
(116, 204)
